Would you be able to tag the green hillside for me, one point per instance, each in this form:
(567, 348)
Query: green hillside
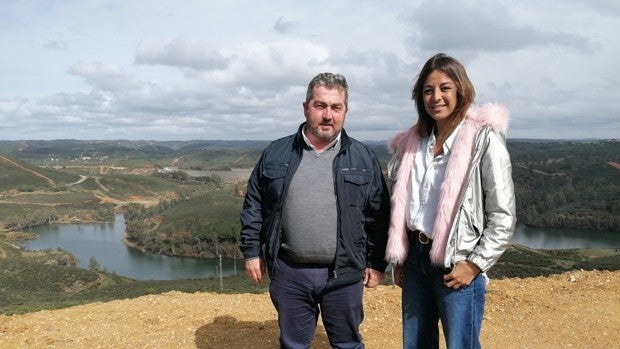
(572, 185)
(15, 174)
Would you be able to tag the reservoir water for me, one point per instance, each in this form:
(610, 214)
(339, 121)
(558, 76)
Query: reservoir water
(103, 241)
(564, 239)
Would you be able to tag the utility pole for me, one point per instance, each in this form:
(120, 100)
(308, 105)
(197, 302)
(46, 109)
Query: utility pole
(219, 255)
(235, 263)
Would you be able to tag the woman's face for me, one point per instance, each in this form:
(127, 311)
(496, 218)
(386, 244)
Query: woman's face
(440, 97)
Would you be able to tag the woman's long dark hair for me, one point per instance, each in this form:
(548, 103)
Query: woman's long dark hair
(465, 95)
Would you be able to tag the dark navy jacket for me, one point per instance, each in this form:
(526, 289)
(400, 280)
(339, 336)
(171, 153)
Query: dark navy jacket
(362, 199)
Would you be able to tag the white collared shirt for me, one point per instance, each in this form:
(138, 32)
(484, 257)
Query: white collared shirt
(426, 178)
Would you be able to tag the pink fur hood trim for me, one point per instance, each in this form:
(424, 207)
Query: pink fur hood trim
(405, 145)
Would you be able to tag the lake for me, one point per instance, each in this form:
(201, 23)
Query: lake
(564, 239)
(103, 241)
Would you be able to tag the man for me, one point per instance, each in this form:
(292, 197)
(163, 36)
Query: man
(316, 216)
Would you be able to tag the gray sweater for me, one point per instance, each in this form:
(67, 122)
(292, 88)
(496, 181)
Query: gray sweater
(310, 213)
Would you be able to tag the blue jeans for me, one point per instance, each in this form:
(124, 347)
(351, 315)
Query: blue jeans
(425, 300)
(299, 295)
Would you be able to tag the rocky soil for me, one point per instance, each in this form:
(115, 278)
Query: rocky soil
(572, 310)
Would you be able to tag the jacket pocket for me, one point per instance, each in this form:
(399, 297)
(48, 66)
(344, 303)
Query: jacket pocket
(355, 186)
(274, 170)
(273, 175)
(470, 229)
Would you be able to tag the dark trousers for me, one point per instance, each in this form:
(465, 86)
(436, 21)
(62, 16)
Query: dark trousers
(299, 295)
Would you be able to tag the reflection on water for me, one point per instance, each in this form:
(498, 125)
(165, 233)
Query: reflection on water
(103, 241)
(564, 239)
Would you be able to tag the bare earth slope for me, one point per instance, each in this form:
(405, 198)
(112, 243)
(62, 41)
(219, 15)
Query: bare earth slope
(573, 310)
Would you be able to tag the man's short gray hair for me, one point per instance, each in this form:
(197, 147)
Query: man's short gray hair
(329, 80)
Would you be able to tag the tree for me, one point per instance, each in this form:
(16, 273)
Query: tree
(93, 264)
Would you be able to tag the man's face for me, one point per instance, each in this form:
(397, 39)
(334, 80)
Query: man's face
(325, 113)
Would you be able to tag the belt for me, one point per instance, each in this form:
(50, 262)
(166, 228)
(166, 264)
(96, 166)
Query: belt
(421, 237)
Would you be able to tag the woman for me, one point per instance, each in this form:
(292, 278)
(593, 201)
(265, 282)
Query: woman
(453, 208)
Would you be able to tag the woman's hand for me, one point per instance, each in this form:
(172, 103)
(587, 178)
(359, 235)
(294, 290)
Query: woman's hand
(461, 275)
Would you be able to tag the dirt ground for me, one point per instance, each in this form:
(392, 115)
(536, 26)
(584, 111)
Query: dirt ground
(573, 310)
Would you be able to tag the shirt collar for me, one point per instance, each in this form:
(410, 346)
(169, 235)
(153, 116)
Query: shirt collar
(452, 138)
(331, 145)
(448, 144)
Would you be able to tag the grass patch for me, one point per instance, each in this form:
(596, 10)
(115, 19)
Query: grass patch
(520, 261)
(61, 198)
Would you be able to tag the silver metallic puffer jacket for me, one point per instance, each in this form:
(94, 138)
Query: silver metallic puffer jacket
(484, 218)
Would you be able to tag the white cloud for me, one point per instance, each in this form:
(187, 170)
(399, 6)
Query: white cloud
(236, 70)
(181, 53)
(104, 76)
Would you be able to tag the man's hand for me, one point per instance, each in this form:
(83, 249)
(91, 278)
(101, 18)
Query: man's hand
(255, 269)
(461, 275)
(372, 278)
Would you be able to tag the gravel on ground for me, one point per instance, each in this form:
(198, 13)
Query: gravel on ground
(579, 309)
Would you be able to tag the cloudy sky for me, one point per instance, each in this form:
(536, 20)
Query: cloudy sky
(198, 69)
